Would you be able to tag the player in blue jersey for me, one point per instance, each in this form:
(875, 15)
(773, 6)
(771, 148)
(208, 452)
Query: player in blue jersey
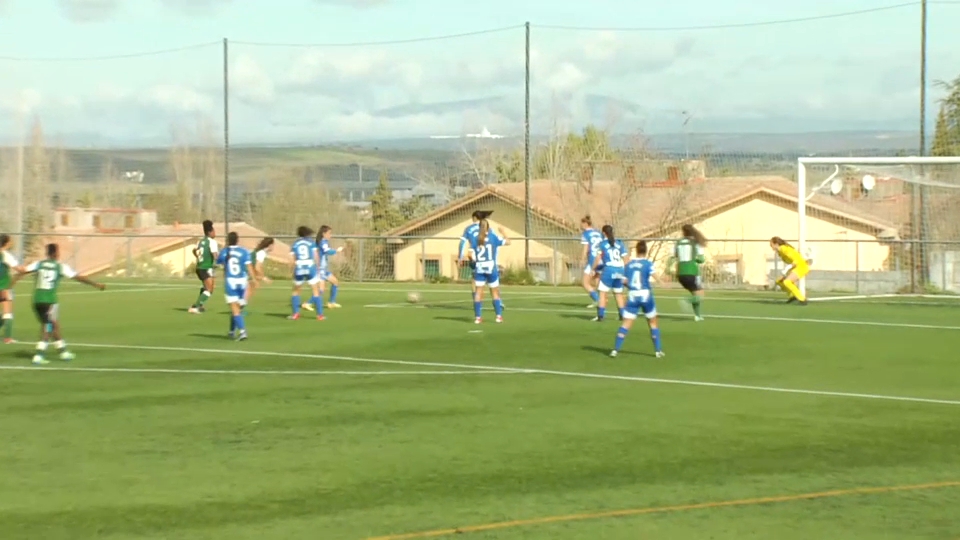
(486, 247)
(609, 264)
(238, 269)
(590, 238)
(637, 275)
(325, 252)
(467, 239)
(305, 261)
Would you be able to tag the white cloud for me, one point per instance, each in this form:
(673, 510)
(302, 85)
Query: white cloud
(361, 4)
(84, 11)
(249, 82)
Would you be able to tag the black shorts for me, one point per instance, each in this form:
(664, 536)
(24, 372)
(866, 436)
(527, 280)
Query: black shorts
(690, 283)
(46, 313)
(204, 274)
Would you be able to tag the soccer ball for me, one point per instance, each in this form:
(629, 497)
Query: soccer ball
(413, 297)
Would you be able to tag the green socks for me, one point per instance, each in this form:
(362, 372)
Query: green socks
(202, 299)
(7, 324)
(695, 300)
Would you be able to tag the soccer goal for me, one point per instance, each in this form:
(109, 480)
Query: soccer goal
(879, 226)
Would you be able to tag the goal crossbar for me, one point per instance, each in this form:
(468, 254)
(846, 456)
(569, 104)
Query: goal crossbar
(802, 162)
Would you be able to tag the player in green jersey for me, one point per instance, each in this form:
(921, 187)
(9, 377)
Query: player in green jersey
(49, 272)
(689, 255)
(8, 265)
(206, 255)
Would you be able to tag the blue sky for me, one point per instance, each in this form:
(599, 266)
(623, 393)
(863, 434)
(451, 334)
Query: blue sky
(856, 72)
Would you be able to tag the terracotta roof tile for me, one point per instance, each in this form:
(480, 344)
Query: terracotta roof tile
(91, 253)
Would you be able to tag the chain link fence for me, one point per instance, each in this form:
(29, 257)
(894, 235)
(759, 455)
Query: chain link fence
(842, 267)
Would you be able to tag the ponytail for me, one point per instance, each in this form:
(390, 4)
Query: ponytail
(484, 230)
(689, 231)
(607, 231)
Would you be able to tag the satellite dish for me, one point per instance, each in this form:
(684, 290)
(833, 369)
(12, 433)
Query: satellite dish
(868, 182)
(836, 186)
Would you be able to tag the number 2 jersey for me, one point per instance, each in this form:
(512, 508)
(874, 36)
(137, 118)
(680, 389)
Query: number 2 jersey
(49, 273)
(591, 238)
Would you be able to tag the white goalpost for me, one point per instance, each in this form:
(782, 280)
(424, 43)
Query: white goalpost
(880, 226)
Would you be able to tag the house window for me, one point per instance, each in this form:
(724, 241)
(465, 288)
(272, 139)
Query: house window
(574, 272)
(540, 271)
(431, 268)
(64, 220)
(465, 273)
(96, 222)
(128, 222)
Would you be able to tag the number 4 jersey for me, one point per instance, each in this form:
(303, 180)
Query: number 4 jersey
(49, 273)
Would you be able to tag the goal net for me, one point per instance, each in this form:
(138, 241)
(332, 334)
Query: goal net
(879, 227)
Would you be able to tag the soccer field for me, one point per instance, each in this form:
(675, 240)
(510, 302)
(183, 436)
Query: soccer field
(836, 420)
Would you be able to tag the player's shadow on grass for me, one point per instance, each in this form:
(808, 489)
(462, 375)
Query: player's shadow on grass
(277, 315)
(566, 304)
(223, 336)
(587, 316)
(606, 352)
(465, 320)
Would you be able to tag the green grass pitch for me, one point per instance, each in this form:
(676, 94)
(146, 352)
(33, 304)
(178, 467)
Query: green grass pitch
(766, 421)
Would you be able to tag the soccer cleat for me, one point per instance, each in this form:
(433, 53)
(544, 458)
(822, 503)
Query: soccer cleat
(791, 300)
(193, 309)
(67, 356)
(321, 317)
(293, 317)
(596, 319)
(613, 353)
(242, 335)
(698, 318)
(39, 360)
(803, 303)
(333, 305)
(499, 318)
(8, 341)
(660, 354)
(308, 307)
(478, 320)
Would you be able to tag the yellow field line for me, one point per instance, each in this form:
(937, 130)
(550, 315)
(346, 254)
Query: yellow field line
(664, 509)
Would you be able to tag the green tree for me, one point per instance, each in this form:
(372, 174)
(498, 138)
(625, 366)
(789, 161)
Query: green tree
(384, 214)
(946, 136)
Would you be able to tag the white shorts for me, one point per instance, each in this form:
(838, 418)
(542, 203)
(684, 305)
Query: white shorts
(312, 281)
(236, 300)
(603, 287)
(628, 314)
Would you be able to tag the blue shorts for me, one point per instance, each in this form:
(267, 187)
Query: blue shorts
(235, 290)
(490, 279)
(324, 274)
(636, 305)
(306, 275)
(611, 279)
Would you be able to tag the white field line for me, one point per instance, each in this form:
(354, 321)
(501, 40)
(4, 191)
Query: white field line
(509, 298)
(109, 290)
(533, 371)
(250, 371)
(242, 352)
(730, 317)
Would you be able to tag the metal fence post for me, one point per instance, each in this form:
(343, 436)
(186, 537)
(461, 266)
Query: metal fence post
(423, 259)
(943, 268)
(360, 268)
(857, 266)
(556, 264)
(129, 257)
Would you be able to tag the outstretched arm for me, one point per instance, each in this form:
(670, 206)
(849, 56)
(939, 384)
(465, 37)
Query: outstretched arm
(87, 281)
(503, 235)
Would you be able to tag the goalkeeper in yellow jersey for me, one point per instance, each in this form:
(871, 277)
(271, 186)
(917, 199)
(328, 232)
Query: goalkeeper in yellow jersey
(798, 264)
